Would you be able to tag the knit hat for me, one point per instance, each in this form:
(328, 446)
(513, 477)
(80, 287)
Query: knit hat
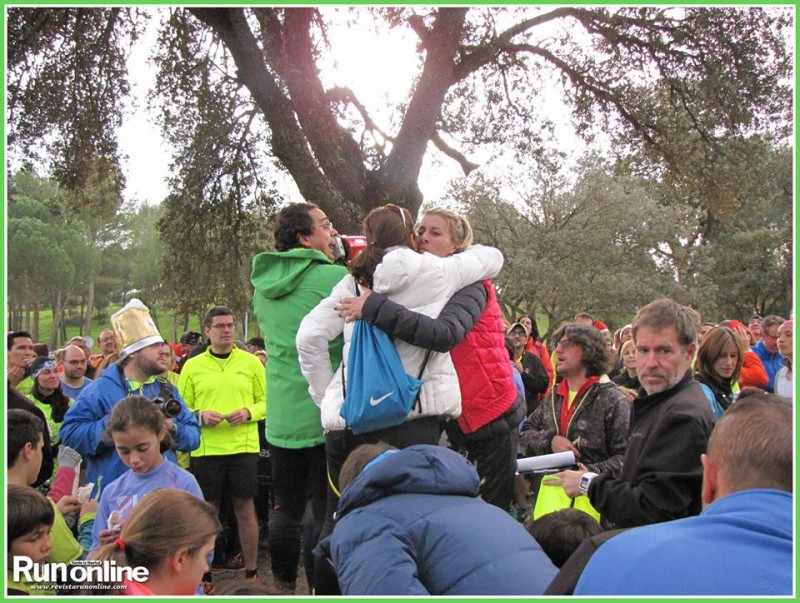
(41, 363)
(134, 329)
(517, 325)
(600, 325)
(735, 324)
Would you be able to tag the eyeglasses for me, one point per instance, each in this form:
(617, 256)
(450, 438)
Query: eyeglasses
(564, 343)
(223, 325)
(327, 225)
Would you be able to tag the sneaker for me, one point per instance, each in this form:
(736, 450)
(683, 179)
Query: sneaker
(208, 588)
(236, 562)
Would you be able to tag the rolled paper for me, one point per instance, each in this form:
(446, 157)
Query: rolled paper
(544, 463)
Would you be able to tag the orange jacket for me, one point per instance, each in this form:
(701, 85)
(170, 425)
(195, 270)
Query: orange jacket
(753, 372)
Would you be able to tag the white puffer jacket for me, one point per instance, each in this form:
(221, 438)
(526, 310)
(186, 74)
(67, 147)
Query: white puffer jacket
(421, 282)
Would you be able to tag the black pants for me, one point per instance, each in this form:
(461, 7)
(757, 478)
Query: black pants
(492, 449)
(298, 476)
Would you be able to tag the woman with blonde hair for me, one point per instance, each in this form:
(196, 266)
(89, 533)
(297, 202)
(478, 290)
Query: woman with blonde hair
(471, 328)
(629, 377)
(171, 533)
(719, 362)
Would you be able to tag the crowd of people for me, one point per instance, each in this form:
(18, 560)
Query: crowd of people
(681, 433)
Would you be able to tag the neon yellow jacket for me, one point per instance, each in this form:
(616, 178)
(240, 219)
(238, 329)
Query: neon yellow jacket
(240, 381)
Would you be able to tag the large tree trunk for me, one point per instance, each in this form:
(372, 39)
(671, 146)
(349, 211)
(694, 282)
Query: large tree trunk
(57, 322)
(87, 325)
(320, 154)
(35, 326)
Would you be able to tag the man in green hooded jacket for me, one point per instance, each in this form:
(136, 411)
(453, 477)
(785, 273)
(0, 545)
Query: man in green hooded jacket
(289, 283)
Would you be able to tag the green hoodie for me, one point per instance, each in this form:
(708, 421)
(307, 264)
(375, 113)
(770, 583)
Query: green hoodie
(288, 285)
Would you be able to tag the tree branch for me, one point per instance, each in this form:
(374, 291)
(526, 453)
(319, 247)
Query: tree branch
(587, 83)
(475, 57)
(287, 140)
(466, 165)
(335, 150)
(397, 179)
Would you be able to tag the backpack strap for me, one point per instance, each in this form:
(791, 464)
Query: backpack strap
(417, 402)
(344, 392)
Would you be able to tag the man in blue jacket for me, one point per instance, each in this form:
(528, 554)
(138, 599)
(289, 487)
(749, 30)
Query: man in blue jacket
(410, 522)
(767, 348)
(144, 355)
(741, 544)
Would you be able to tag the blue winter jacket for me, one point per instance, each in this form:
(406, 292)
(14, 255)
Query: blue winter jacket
(84, 426)
(413, 524)
(771, 362)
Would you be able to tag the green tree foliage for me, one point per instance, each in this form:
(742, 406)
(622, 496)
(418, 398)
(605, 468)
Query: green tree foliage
(45, 253)
(610, 243)
(66, 81)
(751, 247)
(482, 75)
(590, 247)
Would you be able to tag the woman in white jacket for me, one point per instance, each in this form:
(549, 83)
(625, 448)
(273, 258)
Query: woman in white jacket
(421, 282)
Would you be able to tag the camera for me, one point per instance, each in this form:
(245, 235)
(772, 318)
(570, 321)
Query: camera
(349, 246)
(169, 408)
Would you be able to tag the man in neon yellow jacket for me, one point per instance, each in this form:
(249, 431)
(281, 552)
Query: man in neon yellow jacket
(226, 389)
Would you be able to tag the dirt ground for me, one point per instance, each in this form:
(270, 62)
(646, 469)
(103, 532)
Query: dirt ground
(226, 581)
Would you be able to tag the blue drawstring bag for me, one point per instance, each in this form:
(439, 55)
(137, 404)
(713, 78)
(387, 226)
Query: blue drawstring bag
(379, 392)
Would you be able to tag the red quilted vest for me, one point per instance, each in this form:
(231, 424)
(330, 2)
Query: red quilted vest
(483, 368)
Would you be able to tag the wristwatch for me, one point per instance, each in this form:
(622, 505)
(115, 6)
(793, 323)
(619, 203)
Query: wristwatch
(586, 479)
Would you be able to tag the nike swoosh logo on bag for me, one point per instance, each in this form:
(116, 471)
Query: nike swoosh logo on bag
(374, 402)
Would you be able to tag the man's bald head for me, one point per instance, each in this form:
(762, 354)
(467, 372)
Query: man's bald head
(74, 360)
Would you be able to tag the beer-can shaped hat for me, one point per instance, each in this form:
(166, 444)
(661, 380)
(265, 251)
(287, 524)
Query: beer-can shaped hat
(134, 329)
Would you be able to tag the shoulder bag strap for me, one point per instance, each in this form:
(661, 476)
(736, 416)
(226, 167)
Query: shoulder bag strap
(417, 402)
(344, 391)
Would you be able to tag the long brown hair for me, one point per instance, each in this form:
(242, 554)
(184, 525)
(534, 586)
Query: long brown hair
(384, 227)
(711, 347)
(166, 521)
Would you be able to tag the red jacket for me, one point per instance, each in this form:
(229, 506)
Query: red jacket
(484, 372)
(753, 372)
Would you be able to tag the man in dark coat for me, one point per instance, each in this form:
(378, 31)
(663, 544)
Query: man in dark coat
(534, 378)
(670, 425)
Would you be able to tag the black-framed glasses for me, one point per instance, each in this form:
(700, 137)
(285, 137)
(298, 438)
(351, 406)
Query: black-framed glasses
(564, 343)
